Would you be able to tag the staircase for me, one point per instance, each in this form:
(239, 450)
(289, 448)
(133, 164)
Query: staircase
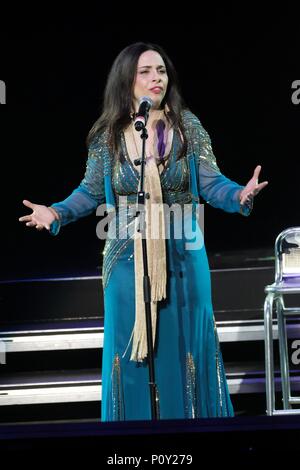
(51, 339)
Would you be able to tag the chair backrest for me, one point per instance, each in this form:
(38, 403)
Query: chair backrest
(287, 254)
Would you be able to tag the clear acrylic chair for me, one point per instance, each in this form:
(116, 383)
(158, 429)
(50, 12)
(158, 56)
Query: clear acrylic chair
(287, 281)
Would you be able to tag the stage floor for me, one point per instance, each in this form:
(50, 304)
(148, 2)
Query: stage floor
(230, 440)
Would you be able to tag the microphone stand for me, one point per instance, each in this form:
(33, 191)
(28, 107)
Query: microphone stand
(146, 280)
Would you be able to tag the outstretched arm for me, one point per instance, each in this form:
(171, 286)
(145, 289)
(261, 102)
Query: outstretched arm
(217, 189)
(223, 193)
(83, 200)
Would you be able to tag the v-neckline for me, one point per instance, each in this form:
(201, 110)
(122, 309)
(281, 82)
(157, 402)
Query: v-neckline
(128, 159)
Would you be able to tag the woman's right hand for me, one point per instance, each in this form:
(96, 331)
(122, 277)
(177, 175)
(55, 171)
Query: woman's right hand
(41, 216)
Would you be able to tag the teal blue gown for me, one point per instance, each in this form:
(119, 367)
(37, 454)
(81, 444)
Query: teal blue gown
(189, 369)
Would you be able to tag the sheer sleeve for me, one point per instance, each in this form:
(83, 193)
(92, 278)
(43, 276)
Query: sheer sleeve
(215, 188)
(90, 192)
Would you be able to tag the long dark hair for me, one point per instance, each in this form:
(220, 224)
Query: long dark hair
(117, 102)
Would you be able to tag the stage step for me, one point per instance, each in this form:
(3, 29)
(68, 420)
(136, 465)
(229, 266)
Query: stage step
(238, 295)
(66, 335)
(64, 386)
(67, 395)
(51, 339)
(50, 387)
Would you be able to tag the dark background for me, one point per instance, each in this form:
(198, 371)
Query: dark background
(236, 69)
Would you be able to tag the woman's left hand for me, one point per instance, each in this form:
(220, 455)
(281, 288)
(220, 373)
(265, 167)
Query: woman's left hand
(253, 187)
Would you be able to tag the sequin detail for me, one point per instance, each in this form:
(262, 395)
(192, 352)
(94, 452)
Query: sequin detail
(111, 252)
(98, 165)
(219, 371)
(125, 180)
(117, 393)
(199, 142)
(191, 398)
(157, 403)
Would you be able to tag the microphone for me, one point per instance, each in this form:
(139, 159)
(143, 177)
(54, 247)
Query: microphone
(141, 116)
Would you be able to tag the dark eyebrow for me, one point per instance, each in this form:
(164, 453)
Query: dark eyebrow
(149, 67)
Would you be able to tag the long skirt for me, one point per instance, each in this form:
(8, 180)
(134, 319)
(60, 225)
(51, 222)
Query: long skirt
(188, 365)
